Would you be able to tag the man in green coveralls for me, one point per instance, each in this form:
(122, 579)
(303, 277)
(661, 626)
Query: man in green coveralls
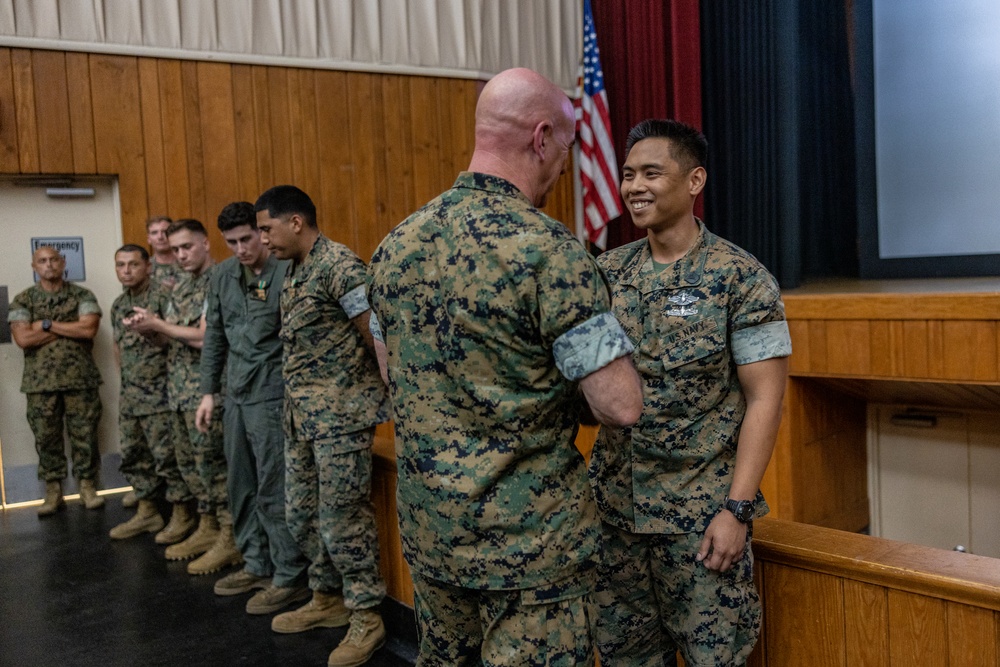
(497, 331)
(200, 457)
(242, 321)
(145, 420)
(55, 322)
(678, 491)
(334, 398)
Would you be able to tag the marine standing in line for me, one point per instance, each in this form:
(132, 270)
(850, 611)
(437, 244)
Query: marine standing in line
(145, 420)
(200, 457)
(242, 323)
(334, 397)
(165, 269)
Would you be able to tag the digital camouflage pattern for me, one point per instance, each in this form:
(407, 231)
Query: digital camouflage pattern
(200, 456)
(202, 462)
(184, 306)
(690, 322)
(648, 587)
(143, 364)
(242, 321)
(145, 422)
(81, 411)
(65, 363)
(538, 627)
(148, 459)
(165, 275)
(332, 381)
(473, 293)
(330, 513)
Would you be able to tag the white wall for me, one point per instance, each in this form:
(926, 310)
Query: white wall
(935, 479)
(27, 212)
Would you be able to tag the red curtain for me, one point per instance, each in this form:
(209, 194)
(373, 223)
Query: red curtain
(651, 55)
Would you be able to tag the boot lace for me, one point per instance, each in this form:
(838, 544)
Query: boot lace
(357, 631)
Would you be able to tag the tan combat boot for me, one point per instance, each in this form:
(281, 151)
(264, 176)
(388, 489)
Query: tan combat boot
(88, 494)
(367, 635)
(239, 582)
(273, 598)
(147, 519)
(325, 610)
(53, 499)
(179, 527)
(200, 541)
(222, 553)
(129, 500)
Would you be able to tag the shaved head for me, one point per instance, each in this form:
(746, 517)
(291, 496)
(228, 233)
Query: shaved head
(524, 129)
(514, 101)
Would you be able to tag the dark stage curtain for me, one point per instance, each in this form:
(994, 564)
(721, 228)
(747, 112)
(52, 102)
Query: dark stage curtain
(651, 56)
(778, 114)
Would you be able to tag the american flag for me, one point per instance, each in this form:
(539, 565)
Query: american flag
(597, 163)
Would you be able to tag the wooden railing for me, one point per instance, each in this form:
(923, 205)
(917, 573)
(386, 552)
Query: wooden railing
(837, 598)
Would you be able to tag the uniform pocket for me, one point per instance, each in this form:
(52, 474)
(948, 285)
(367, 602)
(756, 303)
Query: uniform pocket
(694, 342)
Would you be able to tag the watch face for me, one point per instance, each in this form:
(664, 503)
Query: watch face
(743, 510)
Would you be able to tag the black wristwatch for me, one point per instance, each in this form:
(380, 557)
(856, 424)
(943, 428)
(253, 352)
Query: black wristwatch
(46, 325)
(743, 510)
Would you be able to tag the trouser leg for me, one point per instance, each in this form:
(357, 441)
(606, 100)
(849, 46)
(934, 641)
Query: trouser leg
(251, 539)
(210, 465)
(138, 465)
(45, 417)
(267, 442)
(83, 416)
(347, 517)
(302, 513)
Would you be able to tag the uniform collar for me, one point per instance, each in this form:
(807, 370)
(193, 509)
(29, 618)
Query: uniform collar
(488, 183)
(236, 270)
(688, 271)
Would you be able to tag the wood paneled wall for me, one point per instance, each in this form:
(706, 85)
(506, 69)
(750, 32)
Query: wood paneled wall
(849, 348)
(842, 600)
(940, 337)
(185, 138)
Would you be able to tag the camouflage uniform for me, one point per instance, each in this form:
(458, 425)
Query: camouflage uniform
(165, 275)
(200, 456)
(145, 420)
(242, 325)
(61, 382)
(490, 312)
(334, 397)
(661, 482)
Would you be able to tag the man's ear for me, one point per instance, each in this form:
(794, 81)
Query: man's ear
(296, 222)
(696, 180)
(539, 138)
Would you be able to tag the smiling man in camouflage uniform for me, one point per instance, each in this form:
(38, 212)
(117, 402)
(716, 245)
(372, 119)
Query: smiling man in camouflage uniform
(495, 320)
(679, 490)
(144, 421)
(333, 400)
(55, 322)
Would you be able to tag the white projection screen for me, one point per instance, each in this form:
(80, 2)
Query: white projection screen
(934, 130)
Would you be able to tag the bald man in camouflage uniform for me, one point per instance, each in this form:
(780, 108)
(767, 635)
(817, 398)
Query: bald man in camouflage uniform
(494, 320)
(55, 322)
(678, 491)
(333, 400)
(145, 420)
